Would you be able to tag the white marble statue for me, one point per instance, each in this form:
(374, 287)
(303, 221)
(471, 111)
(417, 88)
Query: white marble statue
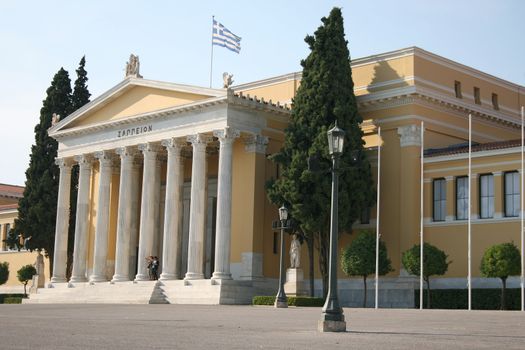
(133, 67)
(39, 266)
(295, 252)
(227, 80)
(55, 118)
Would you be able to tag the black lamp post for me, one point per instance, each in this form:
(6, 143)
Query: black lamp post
(332, 318)
(281, 300)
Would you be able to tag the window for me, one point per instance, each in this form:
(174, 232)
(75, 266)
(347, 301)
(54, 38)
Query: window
(462, 198)
(495, 103)
(440, 199)
(365, 216)
(7, 228)
(486, 196)
(477, 97)
(457, 89)
(512, 194)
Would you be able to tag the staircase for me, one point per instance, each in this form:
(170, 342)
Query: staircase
(208, 292)
(143, 292)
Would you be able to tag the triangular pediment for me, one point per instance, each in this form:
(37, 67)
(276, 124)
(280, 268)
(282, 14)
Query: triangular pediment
(133, 97)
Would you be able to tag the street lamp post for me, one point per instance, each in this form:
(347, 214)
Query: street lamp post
(281, 300)
(332, 318)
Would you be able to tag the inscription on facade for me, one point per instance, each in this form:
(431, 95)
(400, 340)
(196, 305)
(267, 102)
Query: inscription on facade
(134, 131)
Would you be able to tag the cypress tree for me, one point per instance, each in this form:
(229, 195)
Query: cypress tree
(37, 209)
(325, 96)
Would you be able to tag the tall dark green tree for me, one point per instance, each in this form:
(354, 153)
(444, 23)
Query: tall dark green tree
(37, 209)
(79, 98)
(325, 96)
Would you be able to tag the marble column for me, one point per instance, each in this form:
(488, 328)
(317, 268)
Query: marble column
(127, 157)
(85, 163)
(102, 225)
(224, 203)
(62, 223)
(172, 245)
(197, 208)
(147, 209)
(135, 217)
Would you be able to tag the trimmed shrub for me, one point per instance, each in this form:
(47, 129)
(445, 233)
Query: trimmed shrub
(5, 296)
(13, 300)
(482, 299)
(292, 301)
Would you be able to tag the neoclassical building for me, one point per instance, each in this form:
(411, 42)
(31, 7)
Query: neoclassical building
(179, 172)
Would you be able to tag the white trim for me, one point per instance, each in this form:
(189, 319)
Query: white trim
(8, 211)
(479, 154)
(475, 221)
(457, 168)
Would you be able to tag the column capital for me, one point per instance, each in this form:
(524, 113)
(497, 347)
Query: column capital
(226, 135)
(64, 163)
(410, 135)
(84, 160)
(199, 140)
(174, 145)
(149, 148)
(256, 143)
(126, 153)
(106, 158)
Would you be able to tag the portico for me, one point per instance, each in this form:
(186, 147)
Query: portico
(133, 171)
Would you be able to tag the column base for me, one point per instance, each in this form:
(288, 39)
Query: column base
(78, 279)
(167, 276)
(58, 279)
(97, 279)
(120, 278)
(331, 326)
(141, 277)
(221, 276)
(194, 276)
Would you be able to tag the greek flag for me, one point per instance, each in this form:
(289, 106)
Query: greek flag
(223, 37)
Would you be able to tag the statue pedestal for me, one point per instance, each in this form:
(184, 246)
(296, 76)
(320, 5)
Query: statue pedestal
(295, 284)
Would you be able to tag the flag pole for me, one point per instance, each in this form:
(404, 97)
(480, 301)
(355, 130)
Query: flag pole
(469, 229)
(522, 213)
(378, 205)
(421, 240)
(211, 63)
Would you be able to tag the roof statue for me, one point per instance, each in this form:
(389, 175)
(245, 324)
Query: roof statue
(133, 67)
(227, 80)
(55, 118)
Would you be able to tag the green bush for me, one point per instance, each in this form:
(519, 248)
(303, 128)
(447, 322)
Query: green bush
(292, 301)
(13, 300)
(482, 299)
(5, 296)
(4, 272)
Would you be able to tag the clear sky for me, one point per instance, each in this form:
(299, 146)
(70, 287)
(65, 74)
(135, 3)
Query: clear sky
(172, 39)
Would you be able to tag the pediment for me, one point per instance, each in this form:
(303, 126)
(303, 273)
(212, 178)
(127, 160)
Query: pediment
(133, 97)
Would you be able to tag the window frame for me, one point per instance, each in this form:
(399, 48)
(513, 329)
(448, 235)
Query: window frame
(477, 95)
(518, 194)
(457, 89)
(440, 200)
(495, 102)
(458, 178)
(490, 215)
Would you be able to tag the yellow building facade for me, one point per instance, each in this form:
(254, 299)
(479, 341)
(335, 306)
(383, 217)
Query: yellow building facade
(179, 172)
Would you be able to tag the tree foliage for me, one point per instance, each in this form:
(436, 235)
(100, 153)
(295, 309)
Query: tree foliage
(4, 272)
(434, 263)
(324, 96)
(359, 258)
(501, 261)
(25, 274)
(37, 208)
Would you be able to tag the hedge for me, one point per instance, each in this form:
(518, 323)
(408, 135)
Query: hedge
(13, 300)
(6, 296)
(482, 299)
(292, 301)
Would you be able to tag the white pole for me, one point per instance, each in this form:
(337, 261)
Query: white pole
(469, 278)
(522, 214)
(211, 63)
(421, 241)
(378, 205)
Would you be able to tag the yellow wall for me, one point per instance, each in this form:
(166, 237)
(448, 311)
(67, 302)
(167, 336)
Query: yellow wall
(18, 259)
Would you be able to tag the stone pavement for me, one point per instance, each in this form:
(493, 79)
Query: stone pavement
(247, 327)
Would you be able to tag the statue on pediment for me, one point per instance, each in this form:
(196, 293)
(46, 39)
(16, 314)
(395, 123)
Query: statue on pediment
(55, 118)
(227, 80)
(133, 67)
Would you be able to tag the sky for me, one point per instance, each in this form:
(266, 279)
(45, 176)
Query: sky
(173, 41)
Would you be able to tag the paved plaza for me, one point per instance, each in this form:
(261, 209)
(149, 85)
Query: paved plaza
(247, 327)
